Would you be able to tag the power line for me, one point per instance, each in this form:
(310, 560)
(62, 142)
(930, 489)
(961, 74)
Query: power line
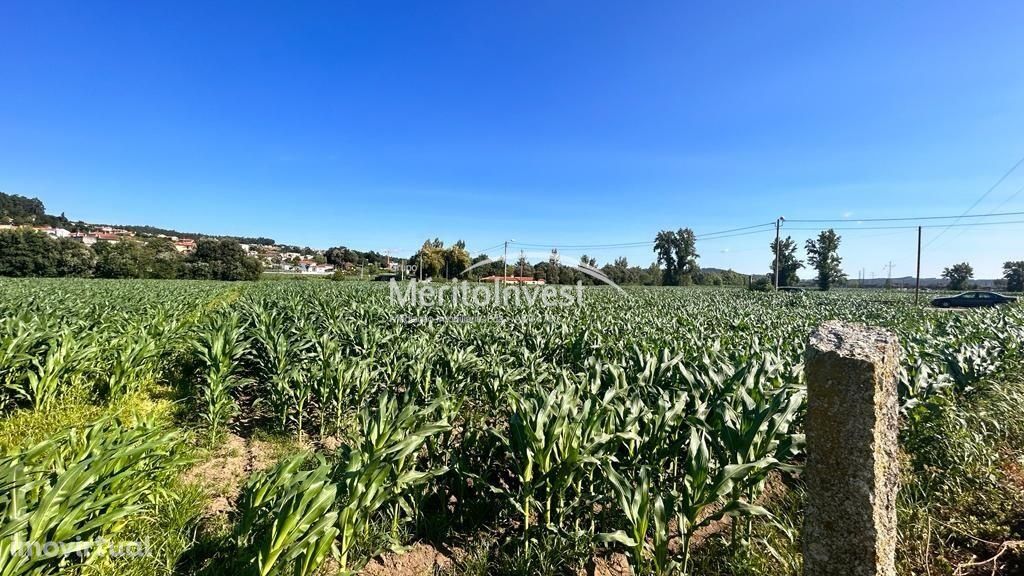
(706, 234)
(638, 244)
(978, 201)
(910, 218)
(485, 250)
(619, 245)
(954, 225)
(764, 227)
(1012, 196)
(735, 235)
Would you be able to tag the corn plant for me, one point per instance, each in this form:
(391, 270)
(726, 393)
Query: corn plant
(65, 363)
(134, 361)
(705, 484)
(640, 506)
(21, 341)
(287, 519)
(280, 353)
(74, 489)
(220, 345)
(554, 439)
(381, 470)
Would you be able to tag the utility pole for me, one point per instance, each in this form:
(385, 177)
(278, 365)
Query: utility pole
(917, 288)
(505, 260)
(522, 260)
(419, 267)
(778, 249)
(888, 280)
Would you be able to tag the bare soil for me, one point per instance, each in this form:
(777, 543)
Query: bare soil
(419, 560)
(221, 476)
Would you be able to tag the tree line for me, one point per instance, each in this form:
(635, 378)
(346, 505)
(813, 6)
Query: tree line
(960, 275)
(25, 252)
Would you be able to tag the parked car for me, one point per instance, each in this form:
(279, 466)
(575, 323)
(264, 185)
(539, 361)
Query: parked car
(385, 277)
(973, 300)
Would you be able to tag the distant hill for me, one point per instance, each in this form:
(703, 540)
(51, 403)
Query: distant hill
(22, 210)
(930, 283)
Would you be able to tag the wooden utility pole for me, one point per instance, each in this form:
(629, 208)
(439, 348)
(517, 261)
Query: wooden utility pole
(917, 288)
(778, 250)
(505, 259)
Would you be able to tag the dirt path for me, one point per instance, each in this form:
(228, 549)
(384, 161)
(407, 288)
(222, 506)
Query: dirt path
(222, 475)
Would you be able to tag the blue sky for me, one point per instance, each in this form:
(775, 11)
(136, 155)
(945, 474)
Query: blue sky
(378, 124)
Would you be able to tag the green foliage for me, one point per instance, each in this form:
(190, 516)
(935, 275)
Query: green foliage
(677, 251)
(823, 256)
(221, 259)
(25, 252)
(220, 346)
(287, 520)
(958, 275)
(761, 284)
(784, 252)
(79, 488)
(19, 209)
(1013, 272)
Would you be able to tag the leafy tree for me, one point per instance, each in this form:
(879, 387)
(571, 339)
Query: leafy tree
(72, 258)
(651, 276)
(522, 267)
(785, 253)
(21, 210)
(120, 260)
(958, 275)
(677, 251)
(823, 256)
(160, 259)
(430, 258)
(222, 259)
(619, 272)
(456, 260)
(553, 272)
(1013, 272)
(25, 252)
(664, 247)
(686, 255)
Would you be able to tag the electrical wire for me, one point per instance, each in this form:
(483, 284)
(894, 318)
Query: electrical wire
(704, 236)
(909, 218)
(979, 200)
(963, 225)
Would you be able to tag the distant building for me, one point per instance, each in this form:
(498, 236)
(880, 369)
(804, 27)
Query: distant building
(53, 232)
(185, 246)
(84, 238)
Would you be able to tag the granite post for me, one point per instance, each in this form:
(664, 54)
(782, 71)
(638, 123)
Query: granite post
(852, 472)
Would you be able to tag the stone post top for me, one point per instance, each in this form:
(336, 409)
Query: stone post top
(850, 340)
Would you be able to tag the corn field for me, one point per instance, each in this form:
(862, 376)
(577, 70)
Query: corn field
(635, 423)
